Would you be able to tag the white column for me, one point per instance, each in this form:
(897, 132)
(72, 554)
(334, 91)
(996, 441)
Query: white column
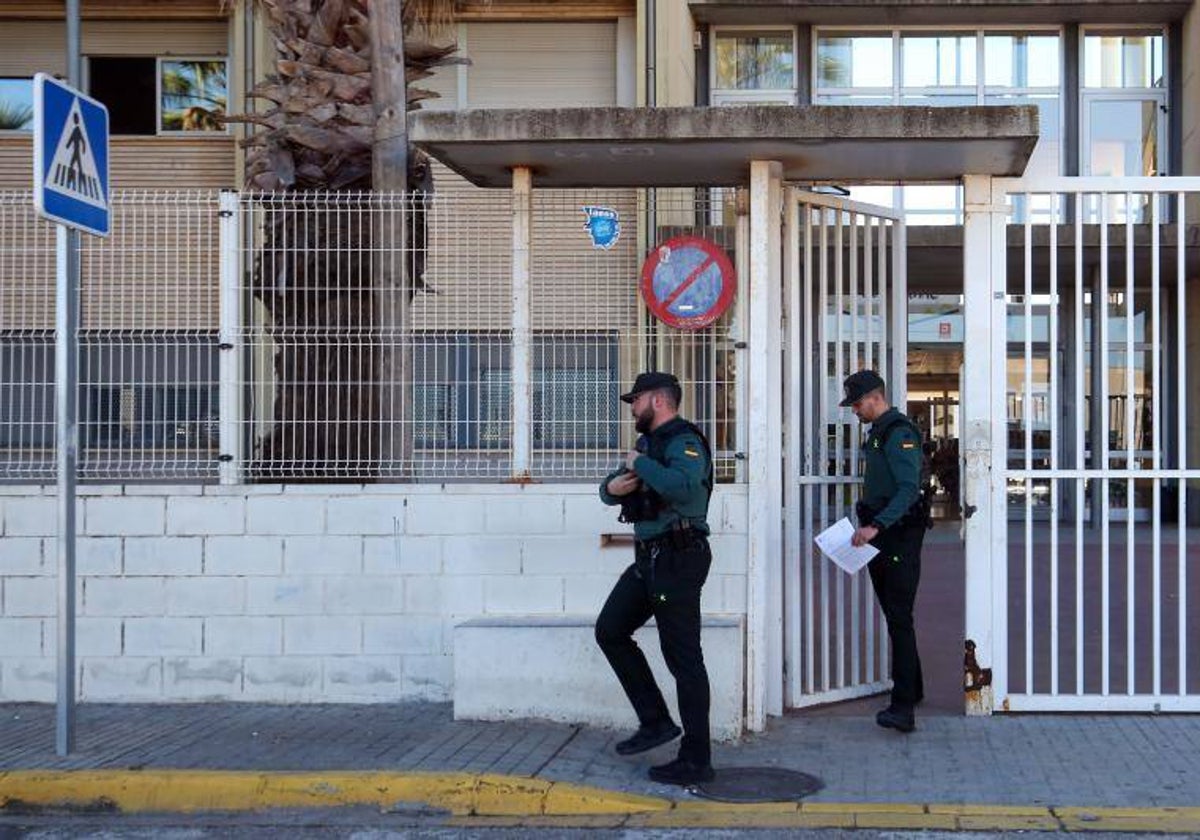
(984, 437)
(522, 332)
(230, 431)
(764, 614)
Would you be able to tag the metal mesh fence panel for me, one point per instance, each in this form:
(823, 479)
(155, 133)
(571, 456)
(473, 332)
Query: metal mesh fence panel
(147, 348)
(356, 336)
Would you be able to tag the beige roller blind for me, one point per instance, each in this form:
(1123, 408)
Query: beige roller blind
(30, 46)
(541, 65)
(16, 161)
(156, 37)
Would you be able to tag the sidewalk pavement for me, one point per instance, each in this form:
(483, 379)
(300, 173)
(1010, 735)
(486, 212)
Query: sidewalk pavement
(1049, 772)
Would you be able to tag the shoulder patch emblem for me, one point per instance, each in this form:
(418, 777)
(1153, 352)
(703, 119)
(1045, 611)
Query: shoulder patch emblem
(908, 444)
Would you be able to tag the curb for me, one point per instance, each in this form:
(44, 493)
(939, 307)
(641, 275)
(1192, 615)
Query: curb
(473, 799)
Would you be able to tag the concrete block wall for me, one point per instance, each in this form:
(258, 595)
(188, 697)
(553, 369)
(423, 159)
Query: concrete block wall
(309, 593)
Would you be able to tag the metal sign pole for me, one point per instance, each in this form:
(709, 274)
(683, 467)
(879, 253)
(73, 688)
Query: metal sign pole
(67, 434)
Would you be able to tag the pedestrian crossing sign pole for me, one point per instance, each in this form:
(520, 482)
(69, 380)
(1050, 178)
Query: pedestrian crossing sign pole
(70, 157)
(70, 187)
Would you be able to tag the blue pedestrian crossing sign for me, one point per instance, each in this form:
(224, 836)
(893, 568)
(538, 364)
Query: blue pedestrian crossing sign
(70, 156)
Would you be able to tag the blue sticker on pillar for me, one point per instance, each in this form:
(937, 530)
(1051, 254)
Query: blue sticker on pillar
(603, 224)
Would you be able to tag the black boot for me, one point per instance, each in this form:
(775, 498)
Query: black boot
(649, 737)
(896, 717)
(682, 772)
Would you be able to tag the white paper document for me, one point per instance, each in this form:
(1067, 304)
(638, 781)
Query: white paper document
(834, 543)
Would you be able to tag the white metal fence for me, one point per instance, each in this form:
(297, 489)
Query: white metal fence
(147, 351)
(270, 337)
(1101, 578)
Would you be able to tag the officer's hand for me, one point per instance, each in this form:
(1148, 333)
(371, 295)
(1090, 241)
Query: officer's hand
(623, 484)
(864, 535)
(631, 456)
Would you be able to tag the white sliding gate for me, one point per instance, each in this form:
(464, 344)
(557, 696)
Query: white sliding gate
(845, 301)
(1085, 563)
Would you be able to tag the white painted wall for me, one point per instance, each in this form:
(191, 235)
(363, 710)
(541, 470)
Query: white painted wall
(343, 593)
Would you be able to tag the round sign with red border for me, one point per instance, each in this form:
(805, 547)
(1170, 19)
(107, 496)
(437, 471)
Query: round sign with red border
(688, 282)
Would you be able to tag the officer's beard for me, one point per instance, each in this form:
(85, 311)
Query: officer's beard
(644, 422)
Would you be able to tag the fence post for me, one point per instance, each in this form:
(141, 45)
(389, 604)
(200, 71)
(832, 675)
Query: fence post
(764, 572)
(984, 433)
(522, 333)
(230, 339)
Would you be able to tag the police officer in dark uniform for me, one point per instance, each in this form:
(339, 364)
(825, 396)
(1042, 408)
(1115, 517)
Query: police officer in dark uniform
(663, 488)
(892, 517)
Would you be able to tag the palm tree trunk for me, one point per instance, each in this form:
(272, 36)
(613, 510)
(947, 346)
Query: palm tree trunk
(389, 174)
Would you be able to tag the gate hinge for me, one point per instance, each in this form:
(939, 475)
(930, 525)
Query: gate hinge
(224, 345)
(224, 214)
(224, 459)
(740, 345)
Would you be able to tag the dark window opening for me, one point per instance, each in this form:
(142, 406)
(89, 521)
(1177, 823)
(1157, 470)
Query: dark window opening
(128, 88)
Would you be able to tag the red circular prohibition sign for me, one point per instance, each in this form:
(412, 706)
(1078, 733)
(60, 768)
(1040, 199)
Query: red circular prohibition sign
(688, 282)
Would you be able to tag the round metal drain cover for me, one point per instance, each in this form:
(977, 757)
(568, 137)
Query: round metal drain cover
(758, 784)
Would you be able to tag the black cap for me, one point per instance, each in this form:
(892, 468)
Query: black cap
(858, 385)
(652, 381)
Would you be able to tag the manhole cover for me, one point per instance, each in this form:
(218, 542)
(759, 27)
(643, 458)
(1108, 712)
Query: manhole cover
(758, 784)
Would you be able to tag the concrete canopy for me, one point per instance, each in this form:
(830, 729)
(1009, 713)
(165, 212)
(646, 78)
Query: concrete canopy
(681, 147)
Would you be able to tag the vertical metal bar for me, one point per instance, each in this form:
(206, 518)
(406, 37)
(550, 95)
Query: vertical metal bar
(1100, 363)
(811, 382)
(898, 378)
(1027, 423)
(522, 332)
(794, 429)
(855, 363)
(1130, 583)
(230, 339)
(741, 319)
(822, 428)
(885, 281)
(1156, 335)
(1181, 415)
(840, 432)
(1055, 359)
(66, 441)
(869, 362)
(1080, 439)
(67, 434)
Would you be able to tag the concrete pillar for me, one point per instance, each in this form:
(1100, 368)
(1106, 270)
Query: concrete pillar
(984, 438)
(764, 615)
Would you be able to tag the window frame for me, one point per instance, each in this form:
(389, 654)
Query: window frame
(719, 96)
(159, 61)
(980, 91)
(1090, 95)
(159, 131)
(18, 132)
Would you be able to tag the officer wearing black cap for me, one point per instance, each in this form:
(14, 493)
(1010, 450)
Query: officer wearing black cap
(892, 517)
(663, 488)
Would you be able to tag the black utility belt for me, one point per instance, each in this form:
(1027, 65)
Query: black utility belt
(679, 536)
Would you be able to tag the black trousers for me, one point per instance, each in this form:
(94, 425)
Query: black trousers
(895, 573)
(664, 582)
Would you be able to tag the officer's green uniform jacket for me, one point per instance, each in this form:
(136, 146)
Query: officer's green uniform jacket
(680, 479)
(892, 477)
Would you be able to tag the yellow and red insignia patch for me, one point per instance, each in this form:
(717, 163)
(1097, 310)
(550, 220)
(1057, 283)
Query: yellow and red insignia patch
(908, 444)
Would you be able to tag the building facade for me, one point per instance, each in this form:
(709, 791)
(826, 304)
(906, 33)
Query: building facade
(213, 567)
